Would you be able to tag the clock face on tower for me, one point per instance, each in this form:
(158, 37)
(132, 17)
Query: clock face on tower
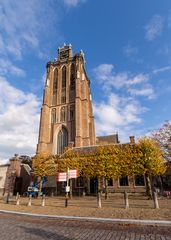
(64, 55)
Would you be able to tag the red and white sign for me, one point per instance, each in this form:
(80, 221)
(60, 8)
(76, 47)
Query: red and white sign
(73, 173)
(62, 177)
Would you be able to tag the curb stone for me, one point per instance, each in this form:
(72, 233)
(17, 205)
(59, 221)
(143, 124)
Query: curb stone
(111, 220)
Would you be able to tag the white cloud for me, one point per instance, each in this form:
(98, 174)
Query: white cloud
(25, 25)
(154, 27)
(73, 3)
(146, 90)
(2, 46)
(44, 78)
(105, 75)
(121, 112)
(139, 78)
(7, 67)
(164, 50)
(19, 120)
(130, 51)
(163, 69)
(118, 114)
(103, 71)
(169, 20)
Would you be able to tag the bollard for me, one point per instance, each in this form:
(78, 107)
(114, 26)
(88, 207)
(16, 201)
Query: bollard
(8, 196)
(29, 202)
(126, 200)
(156, 203)
(17, 195)
(18, 200)
(66, 200)
(99, 202)
(43, 200)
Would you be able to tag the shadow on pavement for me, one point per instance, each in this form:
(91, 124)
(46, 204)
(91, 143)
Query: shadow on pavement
(44, 234)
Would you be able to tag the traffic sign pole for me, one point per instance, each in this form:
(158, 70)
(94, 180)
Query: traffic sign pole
(67, 188)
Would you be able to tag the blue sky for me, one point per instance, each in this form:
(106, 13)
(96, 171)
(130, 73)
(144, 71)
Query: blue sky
(127, 46)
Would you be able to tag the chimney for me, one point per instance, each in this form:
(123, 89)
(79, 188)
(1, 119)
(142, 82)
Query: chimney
(132, 139)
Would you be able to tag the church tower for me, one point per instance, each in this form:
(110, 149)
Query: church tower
(66, 113)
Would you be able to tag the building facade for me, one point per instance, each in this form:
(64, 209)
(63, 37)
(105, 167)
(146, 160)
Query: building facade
(3, 172)
(66, 115)
(16, 176)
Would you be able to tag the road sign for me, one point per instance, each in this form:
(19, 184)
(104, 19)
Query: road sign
(73, 173)
(62, 177)
(67, 189)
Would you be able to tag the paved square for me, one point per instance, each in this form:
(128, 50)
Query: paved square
(33, 228)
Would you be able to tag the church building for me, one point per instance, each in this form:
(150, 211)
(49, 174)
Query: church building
(67, 120)
(66, 114)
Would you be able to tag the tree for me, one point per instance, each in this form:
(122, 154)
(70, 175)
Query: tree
(163, 137)
(101, 162)
(44, 166)
(113, 161)
(150, 162)
(67, 160)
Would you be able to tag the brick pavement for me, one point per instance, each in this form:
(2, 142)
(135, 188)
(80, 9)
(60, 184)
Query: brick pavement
(140, 207)
(32, 228)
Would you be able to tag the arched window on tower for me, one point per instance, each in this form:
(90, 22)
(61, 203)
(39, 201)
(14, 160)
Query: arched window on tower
(64, 77)
(72, 83)
(63, 114)
(72, 77)
(55, 87)
(55, 81)
(62, 140)
(53, 115)
(63, 93)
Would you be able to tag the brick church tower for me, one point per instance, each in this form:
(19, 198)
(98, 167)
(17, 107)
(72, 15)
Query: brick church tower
(66, 113)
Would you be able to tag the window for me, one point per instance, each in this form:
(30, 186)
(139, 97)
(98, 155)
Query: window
(79, 182)
(72, 77)
(62, 140)
(110, 182)
(139, 180)
(72, 112)
(63, 93)
(63, 114)
(72, 83)
(63, 96)
(55, 81)
(64, 77)
(53, 116)
(123, 181)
